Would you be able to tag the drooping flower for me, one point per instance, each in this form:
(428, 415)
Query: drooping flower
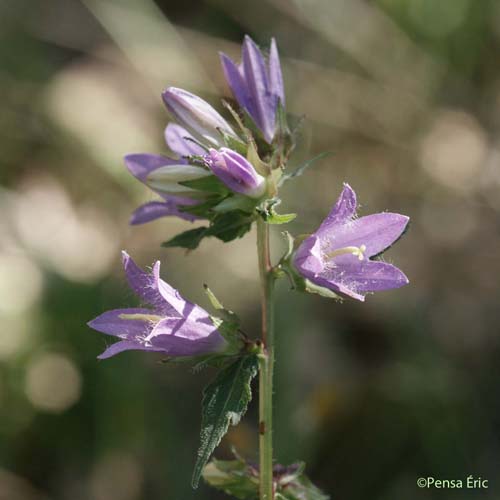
(162, 174)
(257, 86)
(171, 325)
(337, 255)
(236, 172)
(197, 116)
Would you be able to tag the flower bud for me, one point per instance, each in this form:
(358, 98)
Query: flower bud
(167, 179)
(236, 172)
(196, 115)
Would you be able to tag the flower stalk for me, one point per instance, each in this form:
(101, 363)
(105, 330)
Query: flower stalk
(266, 364)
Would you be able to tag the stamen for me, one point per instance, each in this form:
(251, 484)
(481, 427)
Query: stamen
(141, 317)
(356, 251)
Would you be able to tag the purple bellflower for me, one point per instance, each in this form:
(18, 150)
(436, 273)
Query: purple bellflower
(257, 86)
(197, 116)
(236, 172)
(171, 325)
(337, 255)
(162, 174)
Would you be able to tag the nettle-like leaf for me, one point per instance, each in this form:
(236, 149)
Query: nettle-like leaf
(241, 480)
(223, 226)
(233, 477)
(225, 401)
(267, 211)
(301, 488)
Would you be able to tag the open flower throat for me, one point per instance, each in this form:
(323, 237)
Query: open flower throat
(356, 251)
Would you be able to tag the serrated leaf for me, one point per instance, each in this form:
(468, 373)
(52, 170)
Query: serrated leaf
(230, 225)
(225, 401)
(233, 477)
(301, 488)
(188, 239)
(209, 184)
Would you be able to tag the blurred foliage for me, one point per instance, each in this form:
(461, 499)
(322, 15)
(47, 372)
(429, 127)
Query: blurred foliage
(406, 93)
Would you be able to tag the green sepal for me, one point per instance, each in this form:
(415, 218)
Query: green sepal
(209, 184)
(234, 144)
(204, 209)
(303, 167)
(225, 401)
(227, 315)
(188, 239)
(267, 212)
(236, 202)
(232, 477)
(253, 157)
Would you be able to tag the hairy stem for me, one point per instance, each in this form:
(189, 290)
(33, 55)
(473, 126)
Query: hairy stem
(266, 364)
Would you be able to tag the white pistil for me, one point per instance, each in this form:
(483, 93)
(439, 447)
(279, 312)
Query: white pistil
(356, 251)
(142, 317)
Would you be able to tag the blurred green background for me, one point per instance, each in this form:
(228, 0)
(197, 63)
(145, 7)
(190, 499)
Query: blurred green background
(406, 93)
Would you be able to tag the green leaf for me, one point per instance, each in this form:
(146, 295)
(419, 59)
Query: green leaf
(225, 401)
(188, 239)
(209, 184)
(229, 226)
(300, 488)
(303, 167)
(267, 212)
(233, 477)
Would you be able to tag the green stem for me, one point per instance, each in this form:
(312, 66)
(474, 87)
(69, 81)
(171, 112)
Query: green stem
(266, 364)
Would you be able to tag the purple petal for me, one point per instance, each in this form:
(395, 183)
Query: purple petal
(236, 82)
(275, 77)
(126, 345)
(308, 259)
(342, 211)
(181, 142)
(141, 164)
(258, 85)
(145, 285)
(156, 209)
(196, 115)
(236, 172)
(377, 232)
(186, 337)
(111, 323)
(360, 277)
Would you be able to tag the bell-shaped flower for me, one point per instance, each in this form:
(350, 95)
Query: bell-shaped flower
(197, 116)
(337, 255)
(171, 325)
(257, 86)
(163, 175)
(236, 172)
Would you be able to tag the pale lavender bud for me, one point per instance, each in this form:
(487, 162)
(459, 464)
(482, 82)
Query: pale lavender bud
(197, 116)
(236, 172)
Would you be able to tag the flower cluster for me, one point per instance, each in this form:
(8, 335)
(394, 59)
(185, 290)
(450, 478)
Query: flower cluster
(228, 176)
